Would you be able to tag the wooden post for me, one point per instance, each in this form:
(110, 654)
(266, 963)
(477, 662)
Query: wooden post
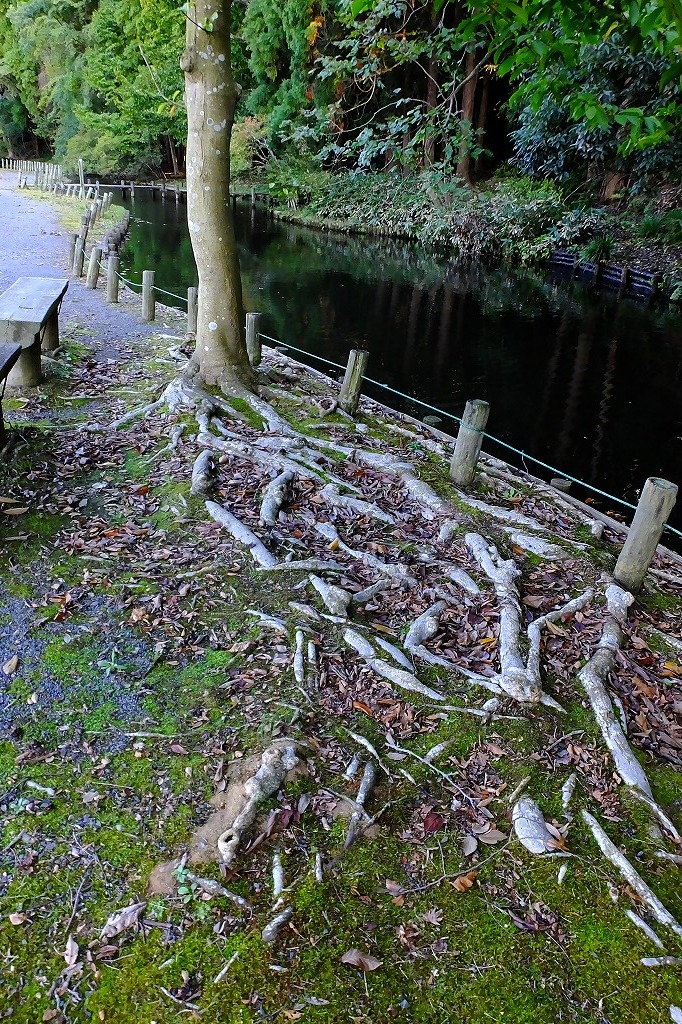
(469, 441)
(192, 300)
(253, 338)
(85, 226)
(148, 304)
(349, 396)
(113, 263)
(93, 267)
(78, 257)
(655, 505)
(72, 247)
(81, 178)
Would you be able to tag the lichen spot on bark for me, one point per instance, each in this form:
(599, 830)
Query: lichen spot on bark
(213, 326)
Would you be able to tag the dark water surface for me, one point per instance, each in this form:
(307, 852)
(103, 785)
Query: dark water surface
(574, 377)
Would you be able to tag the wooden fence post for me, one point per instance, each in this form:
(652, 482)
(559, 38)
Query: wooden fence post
(72, 247)
(93, 267)
(192, 301)
(469, 441)
(113, 263)
(349, 396)
(253, 338)
(148, 303)
(655, 505)
(78, 257)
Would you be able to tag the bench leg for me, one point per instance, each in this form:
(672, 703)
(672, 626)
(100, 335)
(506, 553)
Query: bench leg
(51, 335)
(26, 372)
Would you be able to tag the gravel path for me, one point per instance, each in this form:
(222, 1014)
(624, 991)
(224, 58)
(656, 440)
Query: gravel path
(33, 244)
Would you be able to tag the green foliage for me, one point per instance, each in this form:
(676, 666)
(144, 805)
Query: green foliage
(96, 79)
(559, 136)
(664, 227)
(597, 250)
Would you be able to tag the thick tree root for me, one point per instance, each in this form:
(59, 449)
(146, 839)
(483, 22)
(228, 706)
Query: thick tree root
(517, 679)
(203, 472)
(529, 824)
(335, 599)
(593, 677)
(398, 676)
(276, 761)
(634, 880)
(274, 497)
(260, 554)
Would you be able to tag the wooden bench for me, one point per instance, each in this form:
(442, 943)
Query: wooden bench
(9, 354)
(29, 317)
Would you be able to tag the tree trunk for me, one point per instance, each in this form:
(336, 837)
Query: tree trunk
(210, 96)
(481, 121)
(173, 155)
(467, 118)
(431, 100)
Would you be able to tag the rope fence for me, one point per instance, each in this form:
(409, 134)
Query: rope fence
(148, 291)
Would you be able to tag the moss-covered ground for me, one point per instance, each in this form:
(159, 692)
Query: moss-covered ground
(134, 680)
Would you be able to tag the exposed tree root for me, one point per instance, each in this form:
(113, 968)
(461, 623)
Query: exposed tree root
(260, 554)
(593, 677)
(632, 877)
(519, 680)
(398, 676)
(288, 456)
(274, 497)
(276, 761)
(529, 824)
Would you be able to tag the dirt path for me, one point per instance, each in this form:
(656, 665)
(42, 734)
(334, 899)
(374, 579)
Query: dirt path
(34, 244)
(268, 743)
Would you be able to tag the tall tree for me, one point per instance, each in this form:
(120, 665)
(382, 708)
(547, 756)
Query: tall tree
(211, 95)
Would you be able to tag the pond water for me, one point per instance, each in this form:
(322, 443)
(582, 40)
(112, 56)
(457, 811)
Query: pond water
(574, 377)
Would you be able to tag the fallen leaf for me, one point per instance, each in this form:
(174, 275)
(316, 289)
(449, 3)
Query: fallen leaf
(433, 822)
(19, 918)
(464, 882)
(15, 511)
(433, 916)
(177, 748)
(469, 845)
(11, 665)
(395, 888)
(492, 837)
(71, 952)
(364, 961)
(121, 920)
(91, 796)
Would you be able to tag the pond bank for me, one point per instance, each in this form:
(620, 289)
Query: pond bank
(151, 659)
(511, 220)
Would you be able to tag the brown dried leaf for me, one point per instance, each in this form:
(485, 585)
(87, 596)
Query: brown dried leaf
(433, 916)
(121, 920)
(464, 882)
(18, 918)
(356, 958)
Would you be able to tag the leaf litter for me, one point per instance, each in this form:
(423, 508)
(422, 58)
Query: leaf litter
(132, 570)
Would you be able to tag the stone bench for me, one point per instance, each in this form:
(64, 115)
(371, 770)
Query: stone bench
(29, 317)
(9, 355)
